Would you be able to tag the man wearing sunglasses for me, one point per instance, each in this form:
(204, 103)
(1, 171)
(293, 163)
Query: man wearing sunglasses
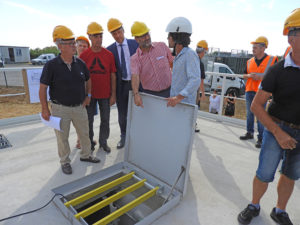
(70, 91)
(101, 64)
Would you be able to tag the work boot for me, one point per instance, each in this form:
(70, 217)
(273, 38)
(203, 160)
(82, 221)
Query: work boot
(247, 136)
(66, 168)
(258, 143)
(247, 214)
(281, 218)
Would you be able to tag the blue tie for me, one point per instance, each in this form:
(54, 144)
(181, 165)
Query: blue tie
(123, 64)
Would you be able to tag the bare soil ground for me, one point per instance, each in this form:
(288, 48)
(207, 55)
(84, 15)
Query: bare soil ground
(14, 106)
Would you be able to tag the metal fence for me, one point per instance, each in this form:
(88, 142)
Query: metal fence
(12, 77)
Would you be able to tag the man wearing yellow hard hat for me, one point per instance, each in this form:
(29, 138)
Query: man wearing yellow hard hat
(101, 64)
(202, 48)
(281, 139)
(255, 70)
(122, 50)
(66, 76)
(150, 65)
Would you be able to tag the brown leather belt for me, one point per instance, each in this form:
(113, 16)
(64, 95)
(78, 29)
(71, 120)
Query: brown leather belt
(291, 125)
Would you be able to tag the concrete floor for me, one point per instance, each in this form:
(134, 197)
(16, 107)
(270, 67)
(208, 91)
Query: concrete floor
(220, 181)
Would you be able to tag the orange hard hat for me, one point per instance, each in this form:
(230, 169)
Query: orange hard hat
(83, 38)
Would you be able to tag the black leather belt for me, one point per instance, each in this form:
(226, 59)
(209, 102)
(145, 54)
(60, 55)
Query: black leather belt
(58, 103)
(291, 125)
(126, 81)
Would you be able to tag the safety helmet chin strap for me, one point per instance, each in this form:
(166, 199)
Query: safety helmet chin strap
(174, 50)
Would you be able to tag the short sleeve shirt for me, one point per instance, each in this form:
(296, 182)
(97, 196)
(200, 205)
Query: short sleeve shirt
(283, 83)
(65, 86)
(153, 67)
(101, 65)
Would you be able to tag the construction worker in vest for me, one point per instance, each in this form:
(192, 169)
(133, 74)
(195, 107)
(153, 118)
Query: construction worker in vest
(287, 51)
(281, 137)
(256, 68)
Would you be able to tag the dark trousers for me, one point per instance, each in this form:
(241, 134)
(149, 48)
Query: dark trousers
(122, 104)
(104, 108)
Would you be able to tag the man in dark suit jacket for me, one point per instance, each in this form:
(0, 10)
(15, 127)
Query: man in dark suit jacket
(122, 49)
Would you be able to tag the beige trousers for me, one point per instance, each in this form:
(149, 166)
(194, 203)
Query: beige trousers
(78, 116)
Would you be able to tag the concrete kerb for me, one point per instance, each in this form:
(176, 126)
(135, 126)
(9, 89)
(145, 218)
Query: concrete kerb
(19, 120)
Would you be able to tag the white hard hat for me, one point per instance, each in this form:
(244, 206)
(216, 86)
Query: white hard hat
(179, 25)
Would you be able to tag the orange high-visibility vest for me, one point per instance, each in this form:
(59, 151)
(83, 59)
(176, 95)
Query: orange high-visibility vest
(252, 85)
(287, 51)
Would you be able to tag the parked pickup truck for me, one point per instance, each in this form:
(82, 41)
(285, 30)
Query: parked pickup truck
(233, 84)
(42, 59)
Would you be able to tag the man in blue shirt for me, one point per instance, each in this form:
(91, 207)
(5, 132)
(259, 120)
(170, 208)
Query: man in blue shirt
(186, 65)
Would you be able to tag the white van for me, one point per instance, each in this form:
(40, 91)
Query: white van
(42, 59)
(233, 84)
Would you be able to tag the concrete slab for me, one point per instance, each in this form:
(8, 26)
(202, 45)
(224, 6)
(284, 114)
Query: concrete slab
(220, 180)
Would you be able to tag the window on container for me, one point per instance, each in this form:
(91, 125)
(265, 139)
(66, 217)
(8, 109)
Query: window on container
(18, 52)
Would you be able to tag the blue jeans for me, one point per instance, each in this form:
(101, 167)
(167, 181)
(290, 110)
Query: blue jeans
(271, 154)
(250, 116)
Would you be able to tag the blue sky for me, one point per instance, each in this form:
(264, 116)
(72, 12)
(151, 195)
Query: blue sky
(226, 25)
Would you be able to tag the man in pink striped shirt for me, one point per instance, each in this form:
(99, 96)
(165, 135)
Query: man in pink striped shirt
(151, 65)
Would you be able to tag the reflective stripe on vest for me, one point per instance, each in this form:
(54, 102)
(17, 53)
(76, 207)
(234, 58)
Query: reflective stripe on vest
(252, 85)
(287, 51)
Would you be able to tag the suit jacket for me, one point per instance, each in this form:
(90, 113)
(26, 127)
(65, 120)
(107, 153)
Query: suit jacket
(132, 45)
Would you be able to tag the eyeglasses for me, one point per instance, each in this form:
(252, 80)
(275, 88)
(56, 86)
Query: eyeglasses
(73, 43)
(97, 35)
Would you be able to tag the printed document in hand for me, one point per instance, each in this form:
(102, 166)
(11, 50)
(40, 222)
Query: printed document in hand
(53, 122)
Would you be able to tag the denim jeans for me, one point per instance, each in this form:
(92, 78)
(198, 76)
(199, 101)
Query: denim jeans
(104, 108)
(271, 154)
(250, 116)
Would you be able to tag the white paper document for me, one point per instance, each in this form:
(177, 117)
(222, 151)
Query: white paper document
(53, 122)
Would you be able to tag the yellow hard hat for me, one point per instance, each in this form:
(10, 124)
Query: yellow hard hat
(293, 21)
(83, 38)
(261, 40)
(94, 28)
(62, 32)
(139, 29)
(202, 44)
(113, 24)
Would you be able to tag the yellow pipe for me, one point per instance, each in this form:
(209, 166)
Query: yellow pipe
(98, 190)
(109, 200)
(127, 207)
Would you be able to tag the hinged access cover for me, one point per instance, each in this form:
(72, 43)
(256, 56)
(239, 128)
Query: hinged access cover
(159, 139)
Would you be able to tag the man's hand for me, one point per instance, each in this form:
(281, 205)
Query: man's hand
(138, 100)
(112, 100)
(46, 113)
(285, 140)
(173, 101)
(86, 101)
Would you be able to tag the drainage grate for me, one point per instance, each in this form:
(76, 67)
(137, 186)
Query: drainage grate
(4, 143)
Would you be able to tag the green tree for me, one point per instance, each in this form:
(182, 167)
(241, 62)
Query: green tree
(34, 53)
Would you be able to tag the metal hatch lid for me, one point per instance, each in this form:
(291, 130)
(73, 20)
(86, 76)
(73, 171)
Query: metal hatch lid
(159, 139)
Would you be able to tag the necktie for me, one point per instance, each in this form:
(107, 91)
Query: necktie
(123, 63)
